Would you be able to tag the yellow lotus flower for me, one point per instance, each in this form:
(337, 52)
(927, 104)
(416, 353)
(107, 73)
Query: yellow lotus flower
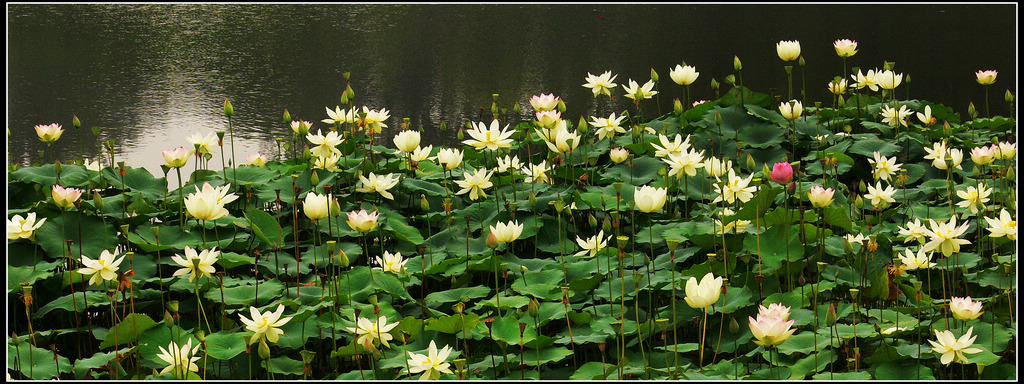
(674, 147)
(475, 183)
(208, 203)
(329, 163)
(895, 117)
(265, 324)
(636, 92)
(1007, 150)
(820, 197)
(837, 88)
(914, 231)
(337, 116)
(884, 167)
(65, 197)
(432, 364)
(370, 334)
(23, 227)
(507, 232)
(601, 85)
(180, 360)
(407, 141)
(449, 158)
(964, 308)
(316, 206)
(866, 80)
(880, 197)
(491, 138)
(705, 293)
(379, 184)
(391, 262)
(49, 133)
(326, 145)
(649, 199)
(683, 75)
(618, 155)
(421, 154)
(974, 198)
(788, 50)
(919, 260)
(735, 188)
(373, 120)
(1005, 225)
(256, 159)
(953, 349)
(537, 172)
(562, 141)
(509, 162)
(984, 155)
(207, 144)
(687, 162)
(177, 157)
(102, 269)
(845, 47)
(888, 79)
(302, 127)
(196, 264)
(946, 236)
(362, 221)
(592, 245)
(607, 127)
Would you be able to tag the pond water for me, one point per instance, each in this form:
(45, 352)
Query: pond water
(153, 74)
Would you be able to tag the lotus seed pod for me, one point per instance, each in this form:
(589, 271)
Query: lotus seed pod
(622, 241)
(372, 300)
(672, 244)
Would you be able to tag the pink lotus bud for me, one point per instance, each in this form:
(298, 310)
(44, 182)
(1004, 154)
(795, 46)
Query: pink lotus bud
(782, 173)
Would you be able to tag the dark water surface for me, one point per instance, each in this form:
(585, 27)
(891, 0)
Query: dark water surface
(153, 74)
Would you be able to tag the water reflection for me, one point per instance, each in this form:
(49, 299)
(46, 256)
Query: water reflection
(154, 74)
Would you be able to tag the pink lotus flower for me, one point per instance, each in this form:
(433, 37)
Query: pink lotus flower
(65, 197)
(49, 133)
(986, 77)
(362, 221)
(544, 102)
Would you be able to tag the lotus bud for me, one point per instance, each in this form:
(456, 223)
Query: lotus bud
(830, 315)
(677, 106)
(228, 109)
(349, 92)
(801, 61)
(74, 121)
(714, 84)
(751, 164)
(96, 130)
(287, 117)
(1008, 96)
(533, 199)
(533, 307)
(459, 307)
(654, 75)
(460, 135)
(492, 240)
(730, 79)
(57, 167)
(168, 319)
(264, 349)
(592, 220)
(736, 64)
(444, 126)
(561, 106)
(601, 346)
(606, 224)
(342, 258)
(972, 111)
(97, 200)
(314, 179)
(734, 326)
(718, 118)
(582, 125)
(172, 306)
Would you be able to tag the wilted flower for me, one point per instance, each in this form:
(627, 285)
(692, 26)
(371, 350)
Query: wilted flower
(607, 127)
(391, 262)
(884, 167)
(770, 330)
(953, 349)
(858, 238)
(926, 117)
(880, 197)
(208, 203)
(788, 50)
(845, 47)
(868, 80)
(888, 79)
(820, 197)
(316, 206)
(601, 85)
(23, 228)
(408, 140)
(507, 232)
(475, 183)
(379, 184)
(256, 159)
(618, 155)
(964, 308)
(177, 157)
(1005, 225)
(674, 147)
(421, 154)
(432, 364)
(636, 92)
(92, 165)
(326, 145)
(180, 360)
(329, 163)
(49, 133)
(683, 75)
(537, 172)
(705, 293)
(649, 199)
(489, 138)
(65, 197)
(337, 116)
(791, 110)
(370, 334)
(265, 324)
(895, 118)
(919, 260)
(449, 158)
(735, 226)
(206, 143)
(102, 269)
(735, 188)
(974, 198)
(196, 264)
(362, 221)
(592, 245)
(986, 77)
(945, 236)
